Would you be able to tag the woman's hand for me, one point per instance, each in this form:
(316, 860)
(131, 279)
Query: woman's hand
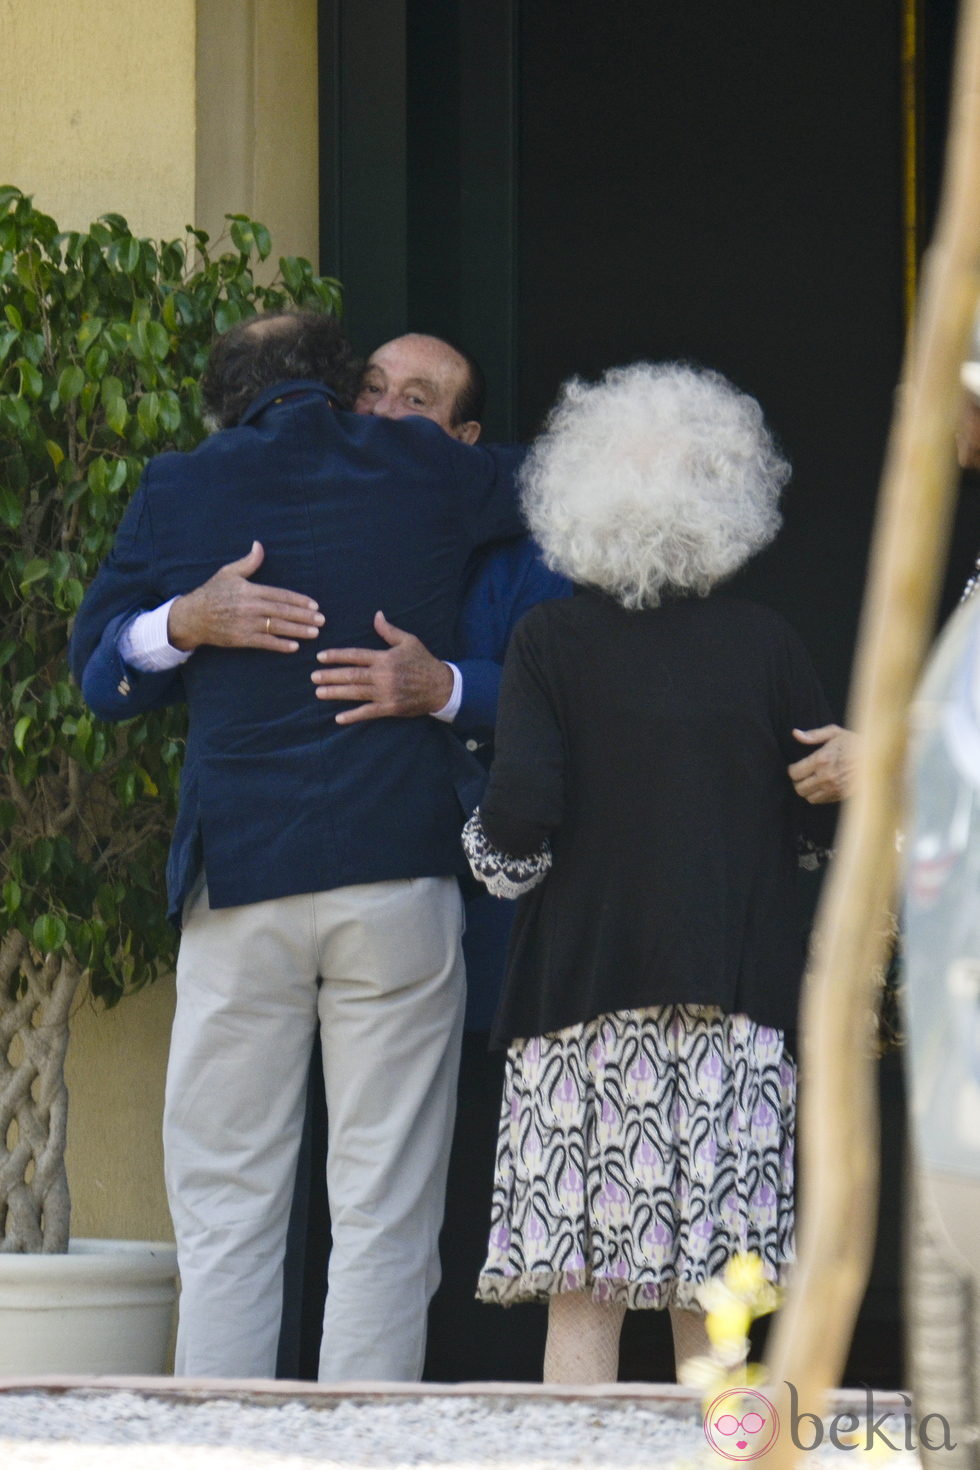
(828, 774)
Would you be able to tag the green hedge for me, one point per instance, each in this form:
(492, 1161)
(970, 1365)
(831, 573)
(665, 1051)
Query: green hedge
(103, 337)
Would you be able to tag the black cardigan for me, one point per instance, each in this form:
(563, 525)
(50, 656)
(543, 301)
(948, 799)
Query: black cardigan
(651, 749)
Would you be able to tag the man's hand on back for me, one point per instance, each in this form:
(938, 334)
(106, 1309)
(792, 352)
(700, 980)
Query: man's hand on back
(229, 611)
(403, 679)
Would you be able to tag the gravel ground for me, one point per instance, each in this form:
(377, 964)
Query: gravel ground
(122, 1430)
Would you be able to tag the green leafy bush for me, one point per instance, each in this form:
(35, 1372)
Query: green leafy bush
(103, 337)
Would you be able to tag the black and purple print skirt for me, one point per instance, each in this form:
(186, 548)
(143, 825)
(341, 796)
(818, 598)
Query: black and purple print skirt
(637, 1154)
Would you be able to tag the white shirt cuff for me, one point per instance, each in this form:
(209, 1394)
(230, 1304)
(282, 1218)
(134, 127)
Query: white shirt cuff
(144, 645)
(450, 709)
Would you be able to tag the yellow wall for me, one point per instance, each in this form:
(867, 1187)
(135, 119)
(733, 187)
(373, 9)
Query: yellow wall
(168, 112)
(257, 119)
(115, 1072)
(98, 109)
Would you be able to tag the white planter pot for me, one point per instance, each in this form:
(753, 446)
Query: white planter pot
(105, 1307)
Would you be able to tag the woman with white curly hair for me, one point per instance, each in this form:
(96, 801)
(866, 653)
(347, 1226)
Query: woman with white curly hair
(644, 731)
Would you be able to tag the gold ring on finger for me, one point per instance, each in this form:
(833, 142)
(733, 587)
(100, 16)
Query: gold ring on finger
(268, 625)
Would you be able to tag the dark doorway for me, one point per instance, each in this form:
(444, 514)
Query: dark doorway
(566, 186)
(563, 186)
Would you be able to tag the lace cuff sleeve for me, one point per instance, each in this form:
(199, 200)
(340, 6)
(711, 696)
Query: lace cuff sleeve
(504, 876)
(810, 855)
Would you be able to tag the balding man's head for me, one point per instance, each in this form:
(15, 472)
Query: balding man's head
(274, 348)
(419, 374)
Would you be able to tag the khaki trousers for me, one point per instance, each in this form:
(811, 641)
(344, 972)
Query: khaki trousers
(378, 967)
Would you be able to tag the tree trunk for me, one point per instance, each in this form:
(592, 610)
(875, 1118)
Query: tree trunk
(839, 1131)
(34, 1203)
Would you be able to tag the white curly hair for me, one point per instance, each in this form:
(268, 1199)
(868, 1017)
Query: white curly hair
(659, 478)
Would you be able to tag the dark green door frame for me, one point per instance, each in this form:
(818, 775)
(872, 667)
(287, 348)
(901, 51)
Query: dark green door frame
(418, 139)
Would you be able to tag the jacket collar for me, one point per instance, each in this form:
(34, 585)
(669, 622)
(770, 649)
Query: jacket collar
(278, 391)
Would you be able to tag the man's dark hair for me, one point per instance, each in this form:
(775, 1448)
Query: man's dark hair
(472, 397)
(276, 348)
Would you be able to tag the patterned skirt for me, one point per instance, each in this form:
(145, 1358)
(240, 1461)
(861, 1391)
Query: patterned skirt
(637, 1154)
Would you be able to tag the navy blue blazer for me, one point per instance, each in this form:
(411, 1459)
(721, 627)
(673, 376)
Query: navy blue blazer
(362, 513)
(503, 582)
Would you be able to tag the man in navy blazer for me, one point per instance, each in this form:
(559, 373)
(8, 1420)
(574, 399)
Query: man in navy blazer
(313, 859)
(414, 375)
(420, 374)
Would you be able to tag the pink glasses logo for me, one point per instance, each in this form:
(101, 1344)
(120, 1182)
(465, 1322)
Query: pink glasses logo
(741, 1424)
